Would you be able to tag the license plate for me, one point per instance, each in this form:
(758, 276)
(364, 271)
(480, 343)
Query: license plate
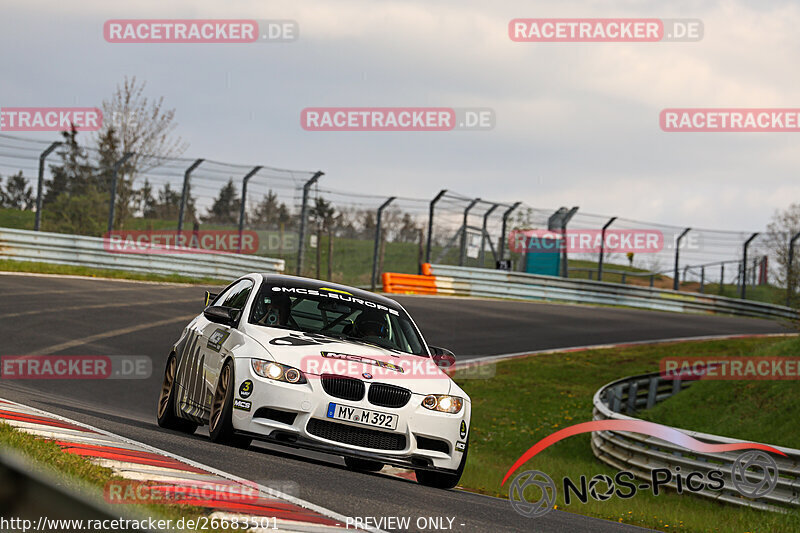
(362, 416)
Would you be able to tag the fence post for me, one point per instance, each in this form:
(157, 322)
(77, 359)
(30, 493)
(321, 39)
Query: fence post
(430, 224)
(602, 248)
(744, 264)
(185, 192)
(721, 277)
(303, 220)
(376, 250)
(789, 273)
(330, 253)
(505, 226)
(675, 281)
(40, 185)
(244, 202)
(463, 253)
(702, 278)
(564, 221)
(420, 250)
(483, 232)
(113, 200)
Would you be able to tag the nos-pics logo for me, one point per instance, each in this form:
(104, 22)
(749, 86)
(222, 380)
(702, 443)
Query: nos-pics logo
(532, 493)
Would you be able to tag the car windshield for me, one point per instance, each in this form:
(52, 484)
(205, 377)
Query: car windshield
(335, 313)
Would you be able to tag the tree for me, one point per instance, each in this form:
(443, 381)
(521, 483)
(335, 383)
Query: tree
(269, 213)
(225, 209)
(409, 231)
(368, 224)
(78, 214)
(18, 194)
(145, 202)
(168, 204)
(322, 213)
(780, 230)
(133, 123)
(107, 155)
(73, 175)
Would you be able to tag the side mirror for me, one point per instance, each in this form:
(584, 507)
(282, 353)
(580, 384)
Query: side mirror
(442, 357)
(209, 297)
(221, 315)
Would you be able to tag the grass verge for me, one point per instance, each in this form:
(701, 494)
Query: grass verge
(10, 265)
(532, 398)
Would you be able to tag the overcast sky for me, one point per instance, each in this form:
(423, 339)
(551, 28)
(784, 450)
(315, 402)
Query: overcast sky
(577, 123)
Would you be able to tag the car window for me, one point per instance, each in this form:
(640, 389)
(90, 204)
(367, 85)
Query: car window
(236, 295)
(338, 314)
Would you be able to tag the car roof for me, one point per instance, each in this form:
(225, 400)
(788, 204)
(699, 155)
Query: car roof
(283, 280)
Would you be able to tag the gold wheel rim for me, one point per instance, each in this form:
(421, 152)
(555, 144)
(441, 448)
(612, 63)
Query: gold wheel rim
(219, 397)
(166, 387)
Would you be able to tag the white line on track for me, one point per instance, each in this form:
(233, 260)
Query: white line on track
(112, 333)
(115, 305)
(121, 280)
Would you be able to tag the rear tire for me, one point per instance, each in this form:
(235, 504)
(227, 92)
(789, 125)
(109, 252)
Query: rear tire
(220, 426)
(167, 416)
(362, 465)
(443, 480)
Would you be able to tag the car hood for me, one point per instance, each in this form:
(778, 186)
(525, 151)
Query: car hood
(316, 355)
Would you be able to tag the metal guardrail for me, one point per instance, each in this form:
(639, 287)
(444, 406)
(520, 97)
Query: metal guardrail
(463, 281)
(640, 454)
(22, 245)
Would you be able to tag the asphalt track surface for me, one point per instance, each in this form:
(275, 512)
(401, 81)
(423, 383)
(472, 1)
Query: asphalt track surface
(68, 316)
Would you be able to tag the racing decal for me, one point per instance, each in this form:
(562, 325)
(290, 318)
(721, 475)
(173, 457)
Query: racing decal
(300, 340)
(246, 389)
(461, 446)
(364, 360)
(216, 339)
(463, 430)
(336, 296)
(241, 404)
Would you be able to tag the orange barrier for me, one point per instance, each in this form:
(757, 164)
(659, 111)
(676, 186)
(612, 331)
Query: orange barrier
(409, 283)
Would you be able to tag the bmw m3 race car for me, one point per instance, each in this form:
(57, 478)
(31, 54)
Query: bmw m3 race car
(317, 365)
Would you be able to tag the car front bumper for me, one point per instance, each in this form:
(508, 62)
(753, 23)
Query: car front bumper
(296, 414)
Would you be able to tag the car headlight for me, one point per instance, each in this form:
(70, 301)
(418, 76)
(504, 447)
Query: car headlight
(443, 403)
(277, 371)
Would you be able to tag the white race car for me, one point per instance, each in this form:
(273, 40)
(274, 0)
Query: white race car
(317, 365)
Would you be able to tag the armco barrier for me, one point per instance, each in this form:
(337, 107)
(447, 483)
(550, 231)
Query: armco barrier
(408, 283)
(463, 281)
(640, 454)
(79, 250)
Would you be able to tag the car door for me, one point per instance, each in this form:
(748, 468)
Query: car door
(204, 353)
(213, 347)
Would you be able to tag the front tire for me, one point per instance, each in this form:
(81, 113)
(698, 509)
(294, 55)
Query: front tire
(443, 480)
(220, 426)
(362, 465)
(167, 417)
